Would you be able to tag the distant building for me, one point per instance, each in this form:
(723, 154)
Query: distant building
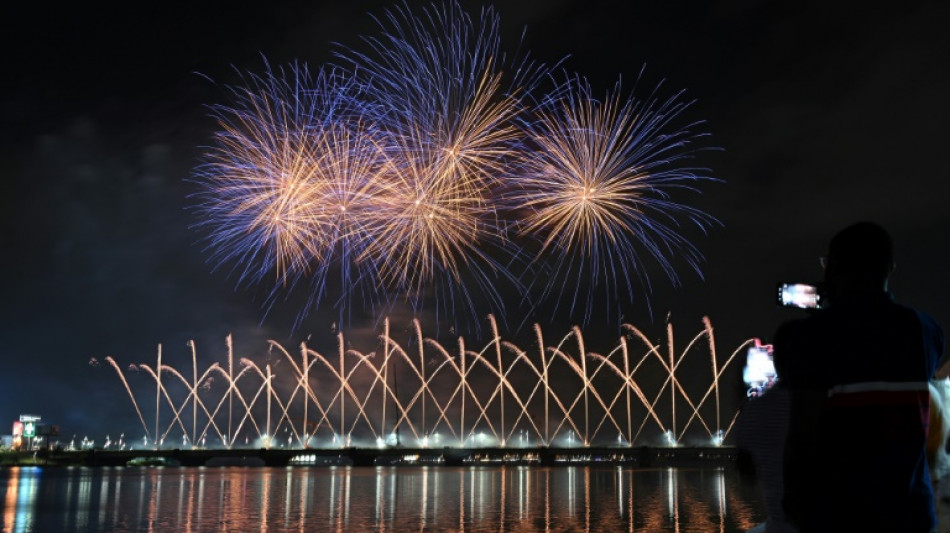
(25, 432)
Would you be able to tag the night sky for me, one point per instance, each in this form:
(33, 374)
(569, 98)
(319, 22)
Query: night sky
(826, 112)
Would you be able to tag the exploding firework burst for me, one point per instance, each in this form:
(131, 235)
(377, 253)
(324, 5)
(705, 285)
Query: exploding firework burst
(418, 172)
(440, 80)
(288, 189)
(450, 114)
(595, 191)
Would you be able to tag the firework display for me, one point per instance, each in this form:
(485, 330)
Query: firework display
(498, 395)
(595, 190)
(433, 170)
(290, 185)
(449, 113)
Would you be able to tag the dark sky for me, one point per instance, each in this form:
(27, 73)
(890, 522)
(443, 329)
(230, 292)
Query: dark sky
(827, 113)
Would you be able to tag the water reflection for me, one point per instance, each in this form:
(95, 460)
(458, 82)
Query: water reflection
(19, 500)
(385, 499)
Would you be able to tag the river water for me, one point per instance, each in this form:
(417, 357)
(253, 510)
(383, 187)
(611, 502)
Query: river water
(383, 499)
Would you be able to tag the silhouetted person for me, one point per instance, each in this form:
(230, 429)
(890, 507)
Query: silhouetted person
(857, 371)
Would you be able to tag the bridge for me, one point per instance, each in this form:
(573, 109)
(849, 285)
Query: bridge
(643, 456)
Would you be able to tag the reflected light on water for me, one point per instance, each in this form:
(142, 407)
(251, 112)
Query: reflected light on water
(19, 500)
(384, 499)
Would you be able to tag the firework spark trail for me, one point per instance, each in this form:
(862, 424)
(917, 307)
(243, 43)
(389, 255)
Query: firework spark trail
(445, 95)
(351, 180)
(452, 123)
(595, 189)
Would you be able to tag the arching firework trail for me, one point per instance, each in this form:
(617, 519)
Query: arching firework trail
(289, 191)
(595, 192)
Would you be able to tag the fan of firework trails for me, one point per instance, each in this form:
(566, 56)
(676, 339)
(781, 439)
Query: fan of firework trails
(432, 169)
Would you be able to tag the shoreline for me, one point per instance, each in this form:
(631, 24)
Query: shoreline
(642, 456)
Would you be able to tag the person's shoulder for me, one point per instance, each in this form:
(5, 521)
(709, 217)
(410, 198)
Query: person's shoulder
(933, 335)
(927, 321)
(934, 342)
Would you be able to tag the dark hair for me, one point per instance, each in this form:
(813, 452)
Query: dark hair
(862, 250)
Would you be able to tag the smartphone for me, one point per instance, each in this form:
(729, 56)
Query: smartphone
(800, 295)
(759, 372)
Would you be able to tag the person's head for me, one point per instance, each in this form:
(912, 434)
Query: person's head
(860, 258)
